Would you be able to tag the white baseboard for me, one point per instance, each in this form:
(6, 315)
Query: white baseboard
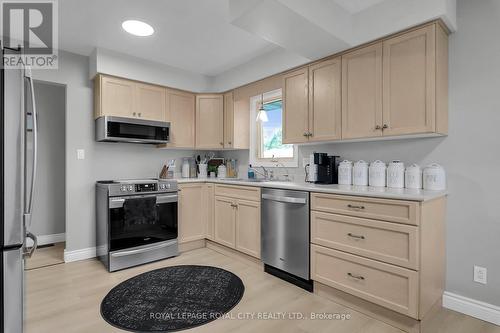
(471, 307)
(47, 239)
(82, 254)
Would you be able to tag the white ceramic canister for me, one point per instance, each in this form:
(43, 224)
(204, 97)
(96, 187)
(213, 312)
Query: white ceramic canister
(396, 174)
(434, 177)
(360, 173)
(345, 173)
(377, 174)
(185, 168)
(221, 171)
(413, 177)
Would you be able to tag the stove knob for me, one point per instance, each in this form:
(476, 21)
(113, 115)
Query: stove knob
(167, 186)
(123, 188)
(131, 188)
(162, 186)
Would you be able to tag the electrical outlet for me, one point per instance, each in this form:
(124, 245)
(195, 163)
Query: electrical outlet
(305, 161)
(80, 154)
(480, 274)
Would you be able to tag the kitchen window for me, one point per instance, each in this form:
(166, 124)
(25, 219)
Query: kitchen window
(266, 146)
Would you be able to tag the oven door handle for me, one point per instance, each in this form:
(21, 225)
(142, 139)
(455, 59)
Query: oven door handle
(167, 198)
(143, 250)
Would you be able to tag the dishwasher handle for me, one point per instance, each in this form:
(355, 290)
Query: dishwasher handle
(279, 198)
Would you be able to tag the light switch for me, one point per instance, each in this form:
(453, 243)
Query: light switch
(80, 154)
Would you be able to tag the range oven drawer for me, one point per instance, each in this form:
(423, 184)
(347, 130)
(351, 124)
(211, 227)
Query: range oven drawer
(142, 254)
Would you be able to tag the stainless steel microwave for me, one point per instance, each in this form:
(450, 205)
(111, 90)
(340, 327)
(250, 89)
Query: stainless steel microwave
(120, 129)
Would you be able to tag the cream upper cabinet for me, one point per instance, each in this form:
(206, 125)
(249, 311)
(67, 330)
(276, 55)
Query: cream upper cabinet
(125, 98)
(114, 97)
(295, 106)
(209, 121)
(409, 82)
(150, 102)
(224, 217)
(362, 92)
(228, 120)
(248, 227)
(192, 219)
(180, 112)
(325, 100)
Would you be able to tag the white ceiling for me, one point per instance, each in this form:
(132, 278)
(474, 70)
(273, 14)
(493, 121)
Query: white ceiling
(194, 35)
(355, 6)
(233, 42)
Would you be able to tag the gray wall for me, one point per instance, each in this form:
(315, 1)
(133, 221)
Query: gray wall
(470, 154)
(102, 160)
(48, 205)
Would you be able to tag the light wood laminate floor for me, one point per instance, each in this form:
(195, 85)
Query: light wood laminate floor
(46, 256)
(66, 298)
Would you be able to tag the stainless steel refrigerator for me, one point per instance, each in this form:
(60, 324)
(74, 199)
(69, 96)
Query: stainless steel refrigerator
(18, 149)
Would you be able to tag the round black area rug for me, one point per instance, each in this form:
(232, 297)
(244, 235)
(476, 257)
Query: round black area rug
(172, 298)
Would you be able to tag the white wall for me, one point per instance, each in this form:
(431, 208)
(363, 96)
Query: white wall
(470, 154)
(102, 160)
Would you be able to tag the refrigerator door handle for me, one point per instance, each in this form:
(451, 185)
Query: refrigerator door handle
(29, 210)
(29, 252)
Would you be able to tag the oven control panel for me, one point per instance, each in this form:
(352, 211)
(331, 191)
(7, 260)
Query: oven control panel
(150, 187)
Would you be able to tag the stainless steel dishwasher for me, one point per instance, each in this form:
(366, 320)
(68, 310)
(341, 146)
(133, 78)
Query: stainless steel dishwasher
(285, 235)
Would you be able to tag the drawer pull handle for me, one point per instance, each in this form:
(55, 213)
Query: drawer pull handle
(355, 207)
(357, 277)
(356, 236)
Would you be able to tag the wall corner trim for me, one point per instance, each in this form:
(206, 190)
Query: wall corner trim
(471, 307)
(81, 254)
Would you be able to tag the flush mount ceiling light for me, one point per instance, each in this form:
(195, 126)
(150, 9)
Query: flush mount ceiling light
(138, 28)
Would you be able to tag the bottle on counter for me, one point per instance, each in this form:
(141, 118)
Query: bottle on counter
(185, 167)
(251, 173)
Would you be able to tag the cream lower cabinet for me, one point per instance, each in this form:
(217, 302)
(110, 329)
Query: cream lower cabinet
(208, 207)
(390, 254)
(237, 218)
(192, 219)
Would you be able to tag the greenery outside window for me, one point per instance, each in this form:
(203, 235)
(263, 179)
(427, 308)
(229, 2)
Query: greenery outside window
(266, 148)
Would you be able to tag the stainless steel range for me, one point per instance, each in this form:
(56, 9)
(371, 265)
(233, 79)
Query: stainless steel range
(136, 221)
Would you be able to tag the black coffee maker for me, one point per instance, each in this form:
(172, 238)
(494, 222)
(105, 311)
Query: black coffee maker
(324, 169)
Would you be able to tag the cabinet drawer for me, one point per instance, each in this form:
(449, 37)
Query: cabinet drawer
(385, 241)
(390, 286)
(238, 192)
(380, 209)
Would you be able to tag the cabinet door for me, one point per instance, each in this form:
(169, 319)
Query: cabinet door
(224, 221)
(325, 100)
(209, 121)
(248, 227)
(192, 219)
(295, 106)
(362, 93)
(228, 120)
(150, 102)
(409, 82)
(181, 115)
(117, 97)
(208, 201)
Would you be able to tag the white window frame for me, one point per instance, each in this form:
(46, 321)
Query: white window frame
(254, 160)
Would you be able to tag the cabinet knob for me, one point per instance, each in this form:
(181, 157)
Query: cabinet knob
(309, 134)
(306, 134)
(221, 143)
(139, 114)
(378, 127)
(385, 126)
(229, 142)
(134, 114)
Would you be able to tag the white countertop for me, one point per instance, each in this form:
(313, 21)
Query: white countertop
(364, 191)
